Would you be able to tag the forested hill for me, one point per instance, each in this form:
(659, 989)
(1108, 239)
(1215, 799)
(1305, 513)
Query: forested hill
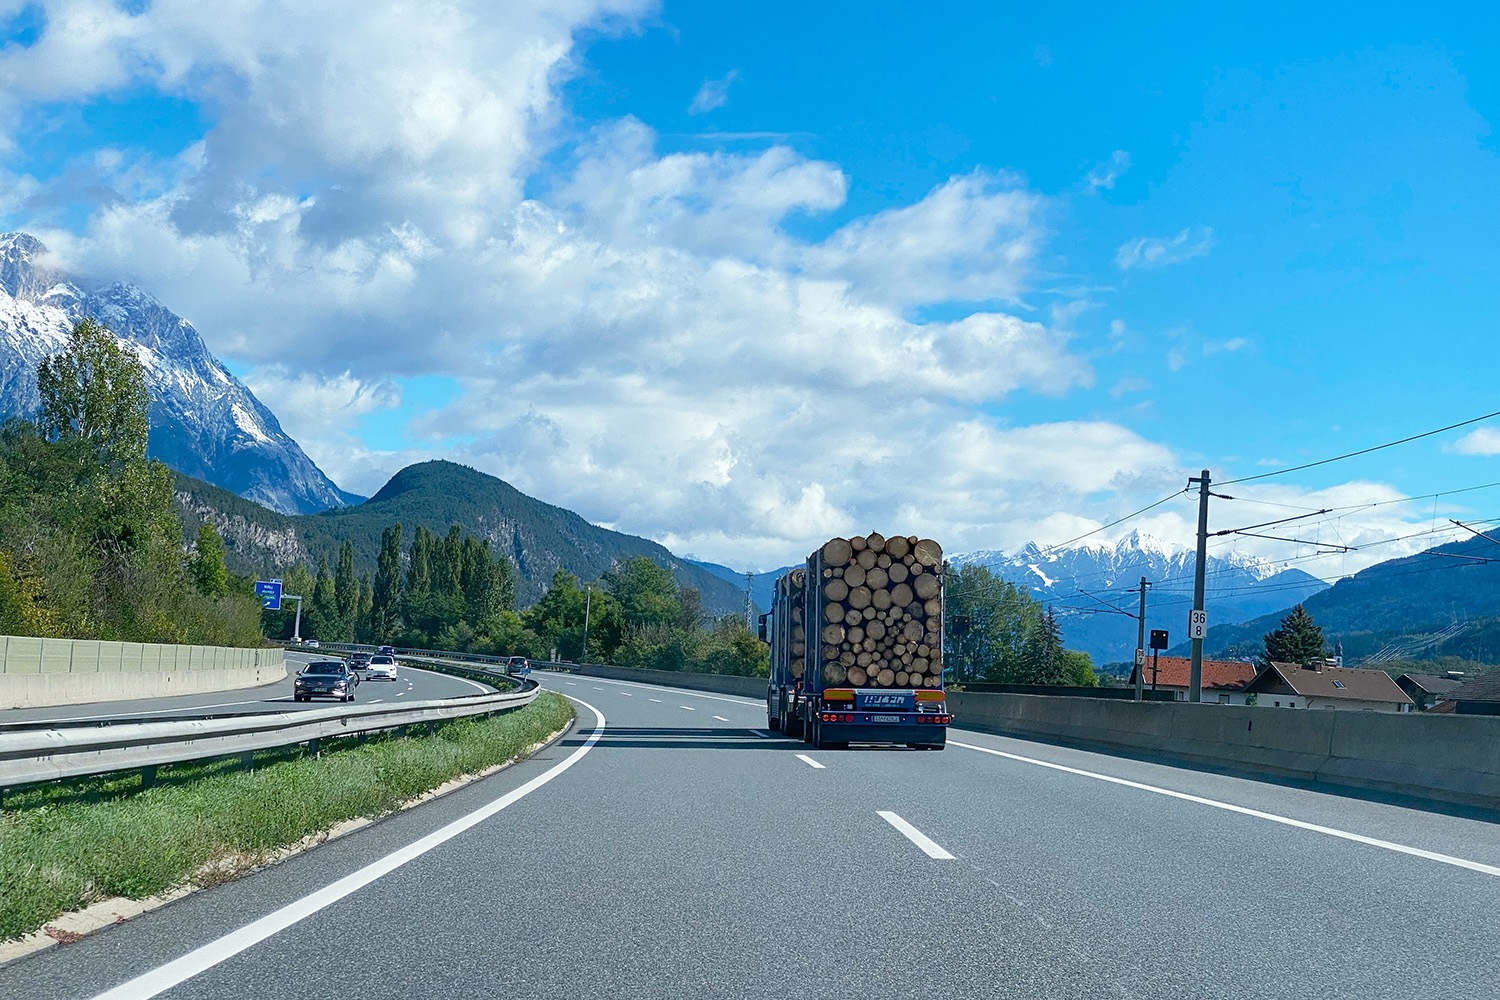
(1435, 603)
(539, 537)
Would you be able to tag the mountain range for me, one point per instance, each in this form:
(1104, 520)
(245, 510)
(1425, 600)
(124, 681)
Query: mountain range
(204, 422)
(538, 537)
(1441, 602)
(1239, 587)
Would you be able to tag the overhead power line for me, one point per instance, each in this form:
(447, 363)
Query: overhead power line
(1362, 451)
(1106, 527)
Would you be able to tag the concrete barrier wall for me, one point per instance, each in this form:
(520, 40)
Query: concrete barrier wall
(39, 672)
(1445, 758)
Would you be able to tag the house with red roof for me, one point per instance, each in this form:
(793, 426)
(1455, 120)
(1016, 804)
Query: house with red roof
(1224, 681)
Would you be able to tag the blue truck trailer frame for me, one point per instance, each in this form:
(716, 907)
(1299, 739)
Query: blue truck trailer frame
(810, 695)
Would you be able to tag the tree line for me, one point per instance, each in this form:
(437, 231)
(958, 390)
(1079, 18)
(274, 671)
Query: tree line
(451, 592)
(998, 633)
(90, 546)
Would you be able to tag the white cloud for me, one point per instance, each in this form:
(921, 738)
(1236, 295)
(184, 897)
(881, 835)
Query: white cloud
(713, 94)
(970, 239)
(1210, 348)
(1154, 251)
(1128, 385)
(644, 342)
(1105, 175)
(1480, 441)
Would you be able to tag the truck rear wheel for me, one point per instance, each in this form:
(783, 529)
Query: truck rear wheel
(772, 723)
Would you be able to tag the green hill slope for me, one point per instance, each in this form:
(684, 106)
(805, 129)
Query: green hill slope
(538, 537)
(1419, 607)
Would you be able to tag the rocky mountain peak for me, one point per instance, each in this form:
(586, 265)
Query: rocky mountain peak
(205, 422)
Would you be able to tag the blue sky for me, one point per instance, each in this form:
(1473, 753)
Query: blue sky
(605, 250)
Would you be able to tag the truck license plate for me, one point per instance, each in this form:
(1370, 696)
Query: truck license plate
(885, 718)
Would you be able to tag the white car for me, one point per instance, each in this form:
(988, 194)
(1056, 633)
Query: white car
(381, 668)
(311, 644)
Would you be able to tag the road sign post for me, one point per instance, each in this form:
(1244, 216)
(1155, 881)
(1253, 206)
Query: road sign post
(269, 592)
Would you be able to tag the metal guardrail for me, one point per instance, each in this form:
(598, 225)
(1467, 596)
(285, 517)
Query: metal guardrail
(47, 755)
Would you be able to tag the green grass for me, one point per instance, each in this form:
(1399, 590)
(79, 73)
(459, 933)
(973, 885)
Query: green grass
(66, 845)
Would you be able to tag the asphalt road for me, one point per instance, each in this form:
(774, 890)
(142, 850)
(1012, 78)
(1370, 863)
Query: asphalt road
(411, 684)
(676, 853)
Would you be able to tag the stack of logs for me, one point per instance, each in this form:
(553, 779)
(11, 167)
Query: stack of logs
(881, 601)
(795, 583)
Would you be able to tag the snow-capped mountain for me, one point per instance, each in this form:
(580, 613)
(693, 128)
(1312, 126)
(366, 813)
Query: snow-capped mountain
(204, 421)
(1238, 587)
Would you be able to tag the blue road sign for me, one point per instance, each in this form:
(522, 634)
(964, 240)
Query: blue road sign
(269, 592)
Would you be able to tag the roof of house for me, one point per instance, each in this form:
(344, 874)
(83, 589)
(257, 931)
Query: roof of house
(1348, 683)
(1485, 687)
(1218, 675)
(1431, 683)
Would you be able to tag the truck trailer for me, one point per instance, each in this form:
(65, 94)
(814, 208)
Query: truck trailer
(856, 640)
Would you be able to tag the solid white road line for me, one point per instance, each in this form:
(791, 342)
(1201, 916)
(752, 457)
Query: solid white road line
(721, 718)
(911, 833)
(809, 761)
(1357, 838)
(202, 959)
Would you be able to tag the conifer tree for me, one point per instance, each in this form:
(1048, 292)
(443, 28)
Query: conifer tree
(1298, 639)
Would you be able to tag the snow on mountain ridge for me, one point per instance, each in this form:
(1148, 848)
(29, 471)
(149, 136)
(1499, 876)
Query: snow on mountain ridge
(204, 422)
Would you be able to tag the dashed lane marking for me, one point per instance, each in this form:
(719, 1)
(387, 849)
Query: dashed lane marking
(911, 833)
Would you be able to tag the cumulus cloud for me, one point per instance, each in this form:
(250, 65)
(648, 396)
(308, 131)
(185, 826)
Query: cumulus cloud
(1480, 441)
(1156, 251)
(641, 338)
(713, 94)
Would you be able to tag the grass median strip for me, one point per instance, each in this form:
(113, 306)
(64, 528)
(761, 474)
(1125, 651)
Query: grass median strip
(67, 845)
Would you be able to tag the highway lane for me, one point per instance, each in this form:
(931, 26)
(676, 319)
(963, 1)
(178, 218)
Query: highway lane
(412, 684)
(685, 855)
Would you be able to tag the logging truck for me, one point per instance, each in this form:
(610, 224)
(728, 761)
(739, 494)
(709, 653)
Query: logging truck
(856, 640)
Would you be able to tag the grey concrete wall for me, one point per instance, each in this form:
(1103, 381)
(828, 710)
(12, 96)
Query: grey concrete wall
(1445, 758)
(40, 690)
(38, 672)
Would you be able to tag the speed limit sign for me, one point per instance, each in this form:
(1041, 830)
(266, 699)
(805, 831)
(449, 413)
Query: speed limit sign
(1197, 624)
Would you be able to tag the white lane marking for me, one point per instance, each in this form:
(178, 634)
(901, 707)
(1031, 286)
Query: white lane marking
(598, 689)
(810, 762)
(911, 833)
(626, 694)
(762, 735)
(657, 700)
(721, 718)
(687, 708)
(199, 960)
(686, 693)
(473, 684)
(1357, 838)
(571, 684)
